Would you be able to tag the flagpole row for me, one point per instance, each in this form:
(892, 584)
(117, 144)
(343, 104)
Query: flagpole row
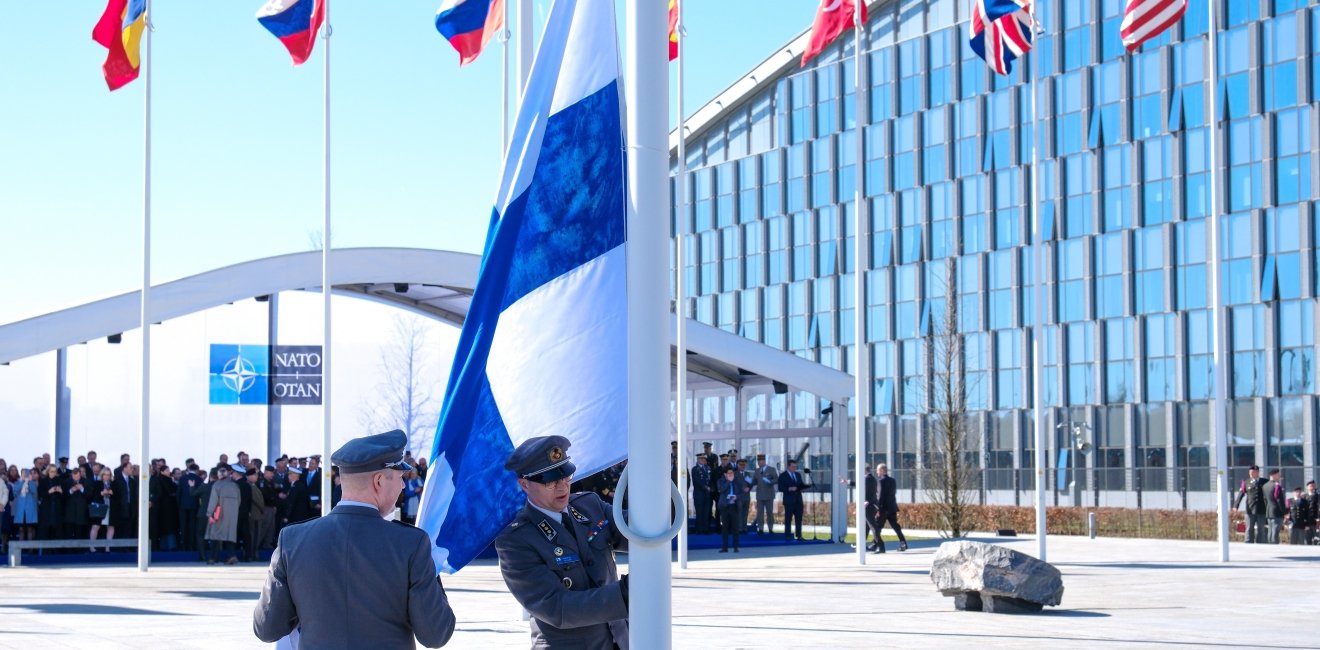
(647, 101)
(144, 440)
(680, 298)
(861, 244)
(1038, 309)
(327, 486)
(1220, 404)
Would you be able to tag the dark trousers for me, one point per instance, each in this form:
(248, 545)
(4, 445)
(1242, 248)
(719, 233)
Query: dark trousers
(199, 535)
(793, 520)
(892, 519)
(729, 525)
(873, 522)
(188, 532)
(701, 502)
(215, 548)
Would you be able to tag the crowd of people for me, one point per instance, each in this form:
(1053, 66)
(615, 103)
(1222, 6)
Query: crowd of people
(1270, 508)
(227, 513)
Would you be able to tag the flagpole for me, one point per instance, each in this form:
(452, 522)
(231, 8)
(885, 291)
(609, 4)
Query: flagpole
(523, 31)
(504, 86)
(680, 298)
(861, 243)
(327, 487)
(650, 607)
(1038, 289)
(1220, 405)
(144, 440)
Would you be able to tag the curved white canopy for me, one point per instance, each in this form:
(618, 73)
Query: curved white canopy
(434, 283)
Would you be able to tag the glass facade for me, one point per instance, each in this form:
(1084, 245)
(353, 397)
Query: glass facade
(1124, 175)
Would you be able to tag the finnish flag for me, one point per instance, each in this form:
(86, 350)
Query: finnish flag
(543, 350)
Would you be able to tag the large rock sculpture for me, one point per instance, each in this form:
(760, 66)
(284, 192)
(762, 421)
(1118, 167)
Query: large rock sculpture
(991, 578)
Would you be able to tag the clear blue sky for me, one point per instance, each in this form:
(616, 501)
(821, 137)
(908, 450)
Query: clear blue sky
(237, 150)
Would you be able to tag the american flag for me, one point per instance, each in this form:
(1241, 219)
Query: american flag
(1001, 32)
(1146, 19)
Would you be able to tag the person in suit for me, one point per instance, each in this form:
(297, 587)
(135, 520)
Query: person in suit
(767, 479)
(1252, 491)
(188, 506)
(313, 483)
(746, 483)
(791, 484)
(557, 555)
(888, 509)
(395, 593)
(701, 494)
(732, 489)
(713, 462)
(298, 508)
(202, 493)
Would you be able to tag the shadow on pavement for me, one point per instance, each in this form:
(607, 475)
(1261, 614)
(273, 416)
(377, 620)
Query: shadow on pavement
(219, 595)
(84, 609)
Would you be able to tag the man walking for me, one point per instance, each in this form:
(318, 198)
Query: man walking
(888, 509)
(1252, 491)
(1276, 505)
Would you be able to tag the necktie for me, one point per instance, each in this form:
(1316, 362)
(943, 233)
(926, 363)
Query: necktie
(568, 525)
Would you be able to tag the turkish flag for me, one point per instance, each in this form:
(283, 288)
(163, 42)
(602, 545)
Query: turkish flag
(834, 17)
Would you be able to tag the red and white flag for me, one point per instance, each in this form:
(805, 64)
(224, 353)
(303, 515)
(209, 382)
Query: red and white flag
(1146, 19)
(834, 17)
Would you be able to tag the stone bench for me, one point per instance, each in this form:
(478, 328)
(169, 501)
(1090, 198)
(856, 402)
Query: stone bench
(16, 548)
(991, 578)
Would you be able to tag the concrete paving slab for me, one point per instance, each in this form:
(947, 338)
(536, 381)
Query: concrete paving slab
(1118, 593)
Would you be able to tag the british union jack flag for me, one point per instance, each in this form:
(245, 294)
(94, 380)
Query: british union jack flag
(1001, 32)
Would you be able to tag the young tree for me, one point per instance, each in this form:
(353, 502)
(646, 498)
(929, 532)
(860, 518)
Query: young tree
(950, 477)
(409, 396)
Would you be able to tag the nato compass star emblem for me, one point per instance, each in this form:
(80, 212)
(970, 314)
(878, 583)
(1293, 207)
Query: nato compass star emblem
(239, 374)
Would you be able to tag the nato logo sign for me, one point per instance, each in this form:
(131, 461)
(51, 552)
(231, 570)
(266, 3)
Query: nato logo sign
(260, 374)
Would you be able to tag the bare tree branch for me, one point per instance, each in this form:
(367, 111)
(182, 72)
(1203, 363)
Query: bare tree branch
(409, 397)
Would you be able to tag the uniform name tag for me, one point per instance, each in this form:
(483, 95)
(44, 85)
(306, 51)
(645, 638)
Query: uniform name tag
(567, 559)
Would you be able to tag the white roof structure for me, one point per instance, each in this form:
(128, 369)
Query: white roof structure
(433, 283)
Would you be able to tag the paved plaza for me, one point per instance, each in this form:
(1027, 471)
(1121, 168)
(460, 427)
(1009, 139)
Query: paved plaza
(1119, 593)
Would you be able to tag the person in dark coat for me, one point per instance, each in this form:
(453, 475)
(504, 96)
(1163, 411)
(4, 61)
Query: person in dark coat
(188, 507)
(557, 555)
(1252, 491)
(51, 494)
(394, 593)
(701, 495)
(202, 493)
(123, 513)
(299, 507)
(888, 500)
(729, 495)
(238, 474)
(75, 504)
(791, 484)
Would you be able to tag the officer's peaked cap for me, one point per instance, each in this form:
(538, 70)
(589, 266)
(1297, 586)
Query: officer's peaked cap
(372, 453)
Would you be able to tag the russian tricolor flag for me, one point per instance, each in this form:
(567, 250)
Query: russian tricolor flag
(469, 24)
(543, 350)
(295, 23)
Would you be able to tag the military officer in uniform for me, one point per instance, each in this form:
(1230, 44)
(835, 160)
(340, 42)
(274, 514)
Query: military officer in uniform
(557, 555)
(393, 593)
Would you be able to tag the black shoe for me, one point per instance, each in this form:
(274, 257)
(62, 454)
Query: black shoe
(902, 546)
(735, 550)
(724, 550)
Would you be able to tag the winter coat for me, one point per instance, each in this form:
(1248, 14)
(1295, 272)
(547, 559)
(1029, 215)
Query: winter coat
(25, 505)
(224, 493)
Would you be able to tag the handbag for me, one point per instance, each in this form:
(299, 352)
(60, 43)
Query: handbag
(97, 510)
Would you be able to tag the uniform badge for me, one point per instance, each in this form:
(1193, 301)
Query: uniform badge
(559, 550)
(568, 582)
(581, 518)
(555, 454)
(547, 530)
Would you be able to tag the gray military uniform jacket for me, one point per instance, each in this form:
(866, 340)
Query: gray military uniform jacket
(354, 580)
(767, 481)
(566, 579)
